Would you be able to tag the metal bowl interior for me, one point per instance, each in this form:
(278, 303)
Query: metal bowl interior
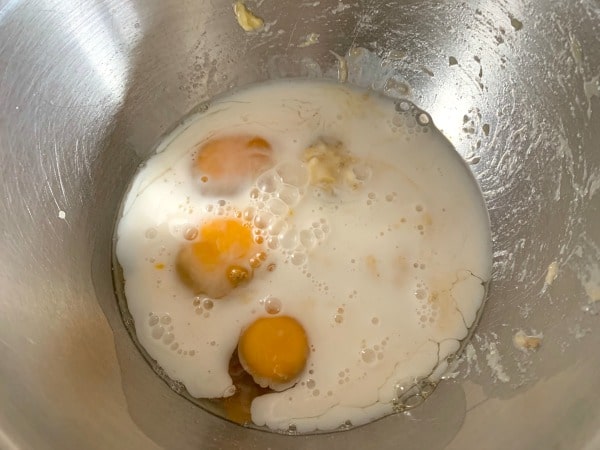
(89, 87)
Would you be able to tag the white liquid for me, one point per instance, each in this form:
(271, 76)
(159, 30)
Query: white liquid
(378, 276)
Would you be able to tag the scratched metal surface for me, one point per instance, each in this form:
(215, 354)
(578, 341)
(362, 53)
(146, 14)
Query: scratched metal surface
(88, 87)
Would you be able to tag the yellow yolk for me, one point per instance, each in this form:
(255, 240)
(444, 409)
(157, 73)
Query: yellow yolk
(224, 163)
(273, 350)
(220, 239)
(220, 259)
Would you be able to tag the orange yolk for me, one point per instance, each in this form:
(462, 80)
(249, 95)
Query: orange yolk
(220, 258)
(274, 349)
(231, 159)
(222, 239)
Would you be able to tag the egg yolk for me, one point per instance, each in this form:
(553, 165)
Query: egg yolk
(222, 238)
(226, 161)
(273, 349)
(219, 260)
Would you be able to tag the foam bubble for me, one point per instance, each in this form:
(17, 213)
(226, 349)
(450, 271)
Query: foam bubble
(157, 332)
(249, 213)
(276, 227)
(368, 355)
(262, 219)
(268, 182)
(165, 320)
(423, 119)
(289, 194)
(273, 305)
(190, 233)
(298, 258)
(273, 242)
(293, 173)
(289, 239)
(278, 207)
(308, 239)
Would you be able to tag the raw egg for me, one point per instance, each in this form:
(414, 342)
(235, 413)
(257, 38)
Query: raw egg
(225, 164)
(333, 243)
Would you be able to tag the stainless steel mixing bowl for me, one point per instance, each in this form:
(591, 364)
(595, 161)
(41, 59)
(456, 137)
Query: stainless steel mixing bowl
(88, 87)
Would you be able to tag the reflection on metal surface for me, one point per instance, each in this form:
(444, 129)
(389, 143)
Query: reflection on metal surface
(106, 54)
(88, 88)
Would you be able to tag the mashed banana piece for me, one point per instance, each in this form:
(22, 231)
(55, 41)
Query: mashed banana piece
(246, 19)
(330, 165)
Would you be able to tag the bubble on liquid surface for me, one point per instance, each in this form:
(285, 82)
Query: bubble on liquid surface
(262, 219)
(288, 239)
(289, 194)
(268, 182)
(293, 173)
(423, 119)
(248, 213)
(368, 355)
(298, 258)
(308, 239)
(190, 233)
(362, 172)
(165, 320)
(278, 207)
(277, 227)
(157, 332)
(273, 305)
